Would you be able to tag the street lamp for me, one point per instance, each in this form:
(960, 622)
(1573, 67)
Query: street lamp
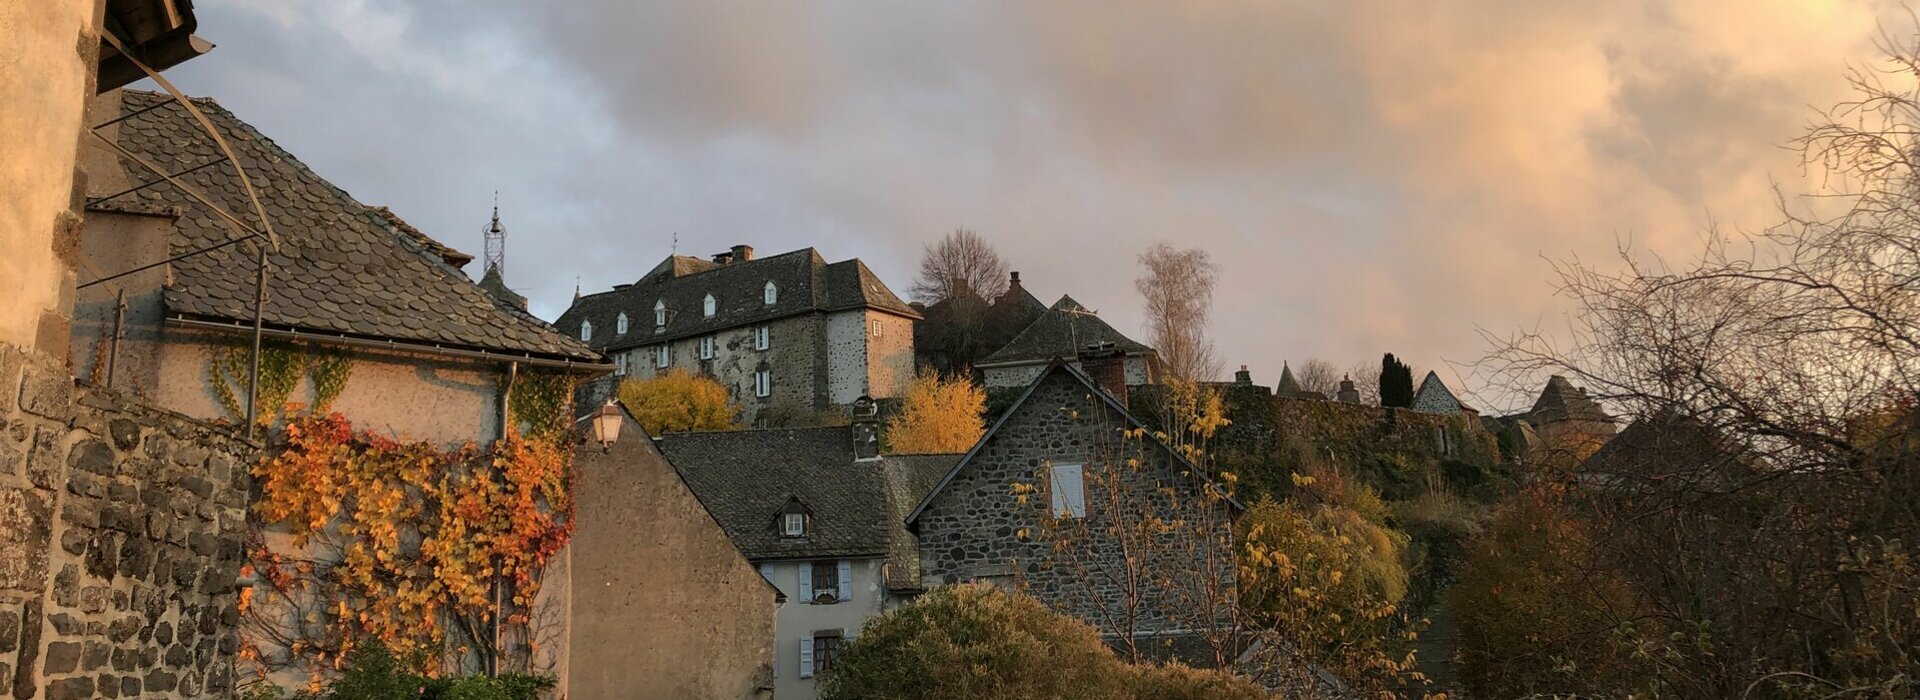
(606, 425)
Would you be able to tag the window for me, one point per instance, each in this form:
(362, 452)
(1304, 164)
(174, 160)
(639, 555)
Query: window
(762, 338)
(772, 293)
(620, 365)
(708, 306)
(794, 525)
(706, 348)
(820, 650)
(762, 383)
(826, 648)
(1069, 494)
(878, 330)
(826, 582)
(663, 355)
(620, 324)
(586, 331)
(1442, 440)
(659, 314)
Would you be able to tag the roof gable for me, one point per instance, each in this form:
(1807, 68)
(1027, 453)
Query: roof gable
(342, 267)
(1435, 397)
(1007, 415)
(1062, 331)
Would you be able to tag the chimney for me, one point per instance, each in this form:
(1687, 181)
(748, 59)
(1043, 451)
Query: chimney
(1013, 282)
(865, 429)
(1243, 377)
(1107, 366)
(1348, 394)
(742, 252)
(723, 258)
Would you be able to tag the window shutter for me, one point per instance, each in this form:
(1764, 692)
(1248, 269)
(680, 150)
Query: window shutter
(805, 575)
(766, 572)
(1069, 494)
(806, 656)
(846, 579)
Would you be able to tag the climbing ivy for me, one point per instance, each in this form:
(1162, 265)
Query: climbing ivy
(281, 367)
(541, 404)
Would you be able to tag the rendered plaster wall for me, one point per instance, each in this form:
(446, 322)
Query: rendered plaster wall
(405, 396)
(663, 605)
(846, 355)
(46, 80)
(889, 354)
(121, 536)
(800, 617)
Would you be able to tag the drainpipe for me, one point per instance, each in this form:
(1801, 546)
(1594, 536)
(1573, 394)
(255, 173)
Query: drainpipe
(506, 398)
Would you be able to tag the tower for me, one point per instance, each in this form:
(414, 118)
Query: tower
(496, 236)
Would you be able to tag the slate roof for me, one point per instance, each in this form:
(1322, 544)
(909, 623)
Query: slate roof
(744, 477)
(343, 267)
(1062, 331)
(909, 479)
(1435, 397)
(1671, 453)
(805, 281)
(1561, 400)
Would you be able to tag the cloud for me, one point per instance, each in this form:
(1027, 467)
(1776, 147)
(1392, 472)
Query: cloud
(1372, 176)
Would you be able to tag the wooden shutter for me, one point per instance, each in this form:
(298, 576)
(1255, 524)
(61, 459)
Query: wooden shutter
(846, 579)
(766, 572)
(805, 590)
(806, 656)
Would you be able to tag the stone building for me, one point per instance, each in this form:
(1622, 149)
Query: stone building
(121, 524)
(959, 331)
(1064, 331)
(663, 605)
(819, 511)
(1062, 439)
(1563, 428)
(788, 334)
(1433, 396)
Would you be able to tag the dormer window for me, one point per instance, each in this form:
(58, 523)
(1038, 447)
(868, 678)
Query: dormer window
(772, 293)
(793, 525)
(708, 306)
(620, 324)
(586, 331)
(660, 314)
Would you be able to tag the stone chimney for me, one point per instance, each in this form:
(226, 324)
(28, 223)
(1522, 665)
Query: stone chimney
(723, 258)
(1243, 377)
(742, 252)
(1348, 394)
(865, 429)
(1107, 366)
(1013, 282)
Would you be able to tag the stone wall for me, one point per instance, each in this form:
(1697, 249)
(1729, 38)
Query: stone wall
(972, 528)
(121, 536)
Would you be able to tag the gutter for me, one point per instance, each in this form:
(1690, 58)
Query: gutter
(290, 333)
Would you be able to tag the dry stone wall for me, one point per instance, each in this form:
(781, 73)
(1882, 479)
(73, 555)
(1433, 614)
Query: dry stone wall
(121, 537)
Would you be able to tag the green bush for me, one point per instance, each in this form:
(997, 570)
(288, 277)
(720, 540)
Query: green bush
(1178, 682)
(373, 673)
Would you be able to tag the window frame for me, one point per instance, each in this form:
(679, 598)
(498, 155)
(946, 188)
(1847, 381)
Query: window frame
(788, 522)
(586, 331)
(663, 355)
(827, 645)
(709, 307)
(660, 313)
(621, 364)
(706, 347)
(762, 383)
(1061, 505)
(620, 324)
(832, 567)
(762, 337)
(770, 294)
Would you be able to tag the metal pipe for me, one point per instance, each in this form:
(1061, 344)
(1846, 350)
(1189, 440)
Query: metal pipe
(132, 114)
(172, 259)
(119, 322)
(253, 372)
(399, 346)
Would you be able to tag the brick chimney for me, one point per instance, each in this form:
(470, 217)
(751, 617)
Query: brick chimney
(1107, 366)
(742, 252)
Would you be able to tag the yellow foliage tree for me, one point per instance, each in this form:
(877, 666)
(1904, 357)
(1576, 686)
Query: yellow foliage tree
(938, 414)
(679, 401)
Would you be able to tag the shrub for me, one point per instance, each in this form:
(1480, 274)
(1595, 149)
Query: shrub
(1180, 682)
(679, 401)
(373, 673)
(975, 641)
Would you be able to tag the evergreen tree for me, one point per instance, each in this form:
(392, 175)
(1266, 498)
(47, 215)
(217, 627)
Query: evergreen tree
(1396, 382)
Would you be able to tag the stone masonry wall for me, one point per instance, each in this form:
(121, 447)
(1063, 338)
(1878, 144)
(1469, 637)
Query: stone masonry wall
(121, 535)
(971, 529)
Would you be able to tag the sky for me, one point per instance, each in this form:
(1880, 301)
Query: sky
(1369, 176)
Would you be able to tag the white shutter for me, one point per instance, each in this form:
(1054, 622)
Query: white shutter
(806, 656)
(846, 580)
(766, 572)
(805, 591)
(1069, 493)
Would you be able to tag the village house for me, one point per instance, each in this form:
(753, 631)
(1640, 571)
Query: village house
(1563, 427)
(1064, 330)
(960, 330)
(432, 355)
(663, 605)
(1055, 469)
(819, 511)
(789, 335)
